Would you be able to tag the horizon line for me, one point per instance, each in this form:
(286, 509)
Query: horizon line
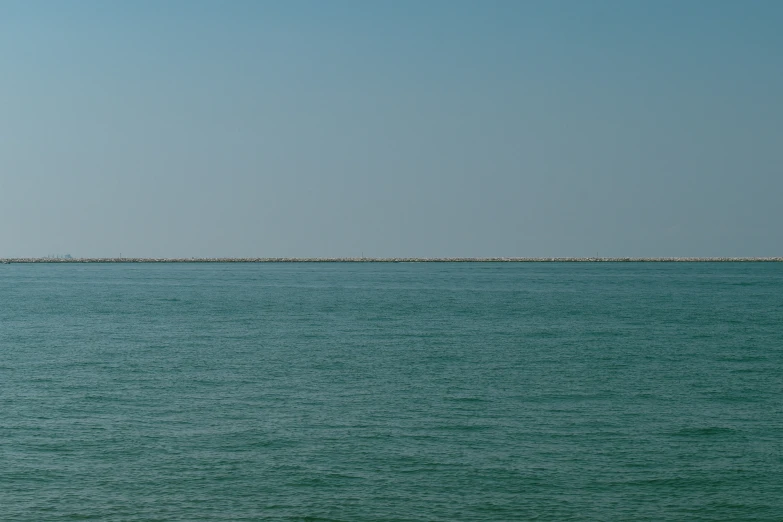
(388, 259)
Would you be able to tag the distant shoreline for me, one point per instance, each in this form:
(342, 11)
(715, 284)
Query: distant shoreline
(398, 260)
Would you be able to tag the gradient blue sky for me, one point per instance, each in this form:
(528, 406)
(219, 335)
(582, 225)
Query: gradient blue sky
(391, 128)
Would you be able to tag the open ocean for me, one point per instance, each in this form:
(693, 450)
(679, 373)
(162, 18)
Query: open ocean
(361, 391)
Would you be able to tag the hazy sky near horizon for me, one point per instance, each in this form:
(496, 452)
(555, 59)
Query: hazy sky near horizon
(391, 128)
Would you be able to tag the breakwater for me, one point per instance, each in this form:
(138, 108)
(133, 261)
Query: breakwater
(395, 260)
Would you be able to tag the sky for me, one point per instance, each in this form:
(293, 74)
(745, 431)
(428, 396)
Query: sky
(193, 128)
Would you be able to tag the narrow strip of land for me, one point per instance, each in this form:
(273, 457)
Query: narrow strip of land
(395, 260)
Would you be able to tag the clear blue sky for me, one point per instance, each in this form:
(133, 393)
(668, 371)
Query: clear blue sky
(391, 128)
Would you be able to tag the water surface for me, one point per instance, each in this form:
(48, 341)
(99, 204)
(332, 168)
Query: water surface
(465, 391)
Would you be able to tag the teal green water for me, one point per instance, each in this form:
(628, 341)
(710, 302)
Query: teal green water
(473, 391)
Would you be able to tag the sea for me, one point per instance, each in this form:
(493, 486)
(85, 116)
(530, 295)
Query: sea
(391, 391)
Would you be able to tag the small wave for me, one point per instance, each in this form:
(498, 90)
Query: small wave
(703, 431)
(467, 399)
